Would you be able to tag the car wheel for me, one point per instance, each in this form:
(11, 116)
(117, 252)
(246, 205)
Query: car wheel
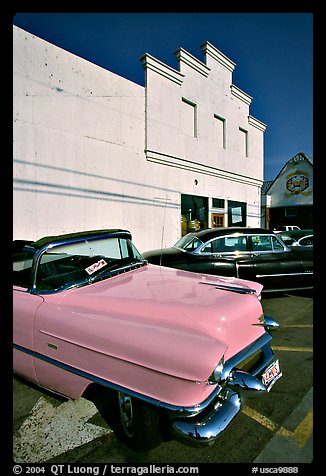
(136, 423)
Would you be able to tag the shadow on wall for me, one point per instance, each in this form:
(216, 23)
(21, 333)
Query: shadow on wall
(24, 185)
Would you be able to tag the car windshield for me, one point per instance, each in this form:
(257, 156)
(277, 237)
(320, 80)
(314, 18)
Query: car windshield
(188, 243)
(85, 261)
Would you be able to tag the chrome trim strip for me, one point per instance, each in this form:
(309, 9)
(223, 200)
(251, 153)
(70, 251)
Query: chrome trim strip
(237, 266)
(284, 274)
(188, 411)
(234, 289)
(181, 410)
(245, 234)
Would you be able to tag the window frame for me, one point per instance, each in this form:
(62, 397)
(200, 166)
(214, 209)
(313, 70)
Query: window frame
(194, 106)
(223, 122)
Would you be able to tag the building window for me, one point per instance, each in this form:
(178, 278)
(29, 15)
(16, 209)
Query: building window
(189, 117)
(243, 142)
(237, 213)
(194, 213)
(218, 202)
(290, 212)
(219, 125)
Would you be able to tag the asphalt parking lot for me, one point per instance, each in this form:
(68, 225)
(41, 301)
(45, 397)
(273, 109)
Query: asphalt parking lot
(273, 428)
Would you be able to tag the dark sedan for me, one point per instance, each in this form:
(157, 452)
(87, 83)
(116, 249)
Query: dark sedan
(256, 254)
(297, 237)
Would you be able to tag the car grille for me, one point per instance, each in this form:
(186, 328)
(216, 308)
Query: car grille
(252, 362)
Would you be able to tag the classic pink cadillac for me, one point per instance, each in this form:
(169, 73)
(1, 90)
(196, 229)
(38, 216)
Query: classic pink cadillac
(170, 351)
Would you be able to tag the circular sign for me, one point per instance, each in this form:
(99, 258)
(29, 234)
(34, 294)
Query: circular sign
(297, 183)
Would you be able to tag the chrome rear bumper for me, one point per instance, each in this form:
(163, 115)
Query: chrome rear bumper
(211, 426)
(207, 425)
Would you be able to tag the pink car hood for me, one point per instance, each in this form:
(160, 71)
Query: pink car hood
(160, 318)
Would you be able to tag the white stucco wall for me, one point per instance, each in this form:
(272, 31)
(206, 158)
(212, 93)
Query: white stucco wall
(94, 150)
(78, 143)
(212, 91)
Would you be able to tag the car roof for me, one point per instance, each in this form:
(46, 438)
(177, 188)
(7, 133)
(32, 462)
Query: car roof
(74, 236)
(209, 233)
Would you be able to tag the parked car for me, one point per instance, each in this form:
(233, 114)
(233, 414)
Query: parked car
(286, 228)
(172, 352)
(302, 237)
(256, 254)
(305, 241)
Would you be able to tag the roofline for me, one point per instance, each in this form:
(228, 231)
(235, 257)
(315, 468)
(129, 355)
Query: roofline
(74, 236)
(302, 154)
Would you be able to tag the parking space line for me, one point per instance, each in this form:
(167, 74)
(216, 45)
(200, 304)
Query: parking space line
(292, 349)
(302, 431)
(297, 325)
(292, 443)
(254, 415)
(299, 435)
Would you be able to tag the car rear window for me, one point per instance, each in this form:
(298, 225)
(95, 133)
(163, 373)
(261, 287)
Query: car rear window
(264, 243)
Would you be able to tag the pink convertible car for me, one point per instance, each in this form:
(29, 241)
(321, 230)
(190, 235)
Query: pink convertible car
(171, 352)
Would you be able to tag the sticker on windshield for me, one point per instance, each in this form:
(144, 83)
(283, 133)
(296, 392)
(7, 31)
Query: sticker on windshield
(96, 266)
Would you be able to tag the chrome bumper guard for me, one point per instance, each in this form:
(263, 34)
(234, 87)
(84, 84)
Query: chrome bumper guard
(206, 430)
(204, 427)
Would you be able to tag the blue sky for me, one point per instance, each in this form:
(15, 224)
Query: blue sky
(273, 53)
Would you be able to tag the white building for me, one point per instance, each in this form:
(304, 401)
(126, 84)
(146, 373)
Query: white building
(94, 150)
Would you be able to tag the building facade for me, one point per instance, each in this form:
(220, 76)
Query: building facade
(95, 150)
(289, 197)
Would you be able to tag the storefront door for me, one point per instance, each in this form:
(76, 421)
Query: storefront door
(217, 220)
